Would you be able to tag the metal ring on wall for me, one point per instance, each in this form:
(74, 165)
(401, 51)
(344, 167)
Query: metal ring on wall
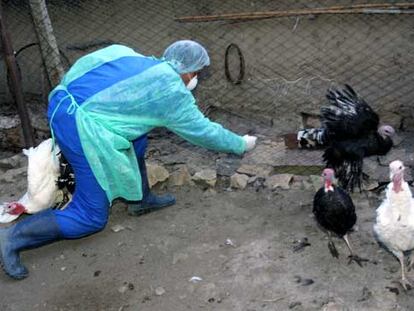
(241, 63)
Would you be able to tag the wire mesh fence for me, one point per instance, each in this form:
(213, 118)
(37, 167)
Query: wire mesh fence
(267, 76)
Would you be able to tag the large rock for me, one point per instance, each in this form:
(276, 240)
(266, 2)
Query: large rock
(397, 140)
(239, 181)
(397, 154)
(316, 181)
(279, 181)
(180, 177)
(11, 135)
(377, 168)
(374, 170)
(300, 182)
(156, 173)
(10, 132)
(12, 175)
(205, 178)
(391, 118)
(370, 184)
(15, 161)
(255, 170)
(226, 166)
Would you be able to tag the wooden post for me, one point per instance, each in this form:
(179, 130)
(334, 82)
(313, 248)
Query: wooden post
(47, 41)
(16, 85)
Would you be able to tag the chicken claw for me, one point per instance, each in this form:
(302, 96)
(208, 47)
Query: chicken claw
(404, 283)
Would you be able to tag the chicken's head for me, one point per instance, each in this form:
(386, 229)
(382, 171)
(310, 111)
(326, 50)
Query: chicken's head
(386, 131)
(397, 175)
(14, 208)
(328, 175)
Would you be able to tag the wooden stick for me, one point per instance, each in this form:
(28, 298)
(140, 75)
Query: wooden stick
(385, 8)
(16, 85)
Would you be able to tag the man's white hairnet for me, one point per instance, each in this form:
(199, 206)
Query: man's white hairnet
(187, 56)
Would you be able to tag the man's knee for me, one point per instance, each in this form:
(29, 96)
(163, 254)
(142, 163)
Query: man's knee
(99, 224)
(77, 220)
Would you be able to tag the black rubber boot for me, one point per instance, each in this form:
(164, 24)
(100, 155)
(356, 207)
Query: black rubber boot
(32, 232)
(150, 202)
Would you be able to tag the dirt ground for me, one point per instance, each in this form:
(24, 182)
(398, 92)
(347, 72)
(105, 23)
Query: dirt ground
(213, 250)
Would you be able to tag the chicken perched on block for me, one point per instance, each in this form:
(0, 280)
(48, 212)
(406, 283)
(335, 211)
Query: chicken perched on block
(394, 226)
(350, 131)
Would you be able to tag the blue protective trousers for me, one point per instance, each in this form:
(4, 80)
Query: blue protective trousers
(88, 211)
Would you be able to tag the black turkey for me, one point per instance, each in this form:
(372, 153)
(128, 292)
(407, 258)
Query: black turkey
(350, 131)
(335, 213)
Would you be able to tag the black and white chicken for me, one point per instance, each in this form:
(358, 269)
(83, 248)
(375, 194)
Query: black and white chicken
(350, 131)
(66, 179)
(335, 213)
(394, 226)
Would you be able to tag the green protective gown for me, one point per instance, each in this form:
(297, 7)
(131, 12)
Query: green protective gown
(109, 119)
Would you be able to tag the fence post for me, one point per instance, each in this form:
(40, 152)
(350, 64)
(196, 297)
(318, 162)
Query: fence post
(47, 41)
(16, 85)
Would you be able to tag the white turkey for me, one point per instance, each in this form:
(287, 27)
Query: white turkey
(350, 131)
(394, 226)
(335, 212)
(44, 183)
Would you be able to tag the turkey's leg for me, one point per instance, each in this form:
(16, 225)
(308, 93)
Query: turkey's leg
(352, 256)
(404, 281)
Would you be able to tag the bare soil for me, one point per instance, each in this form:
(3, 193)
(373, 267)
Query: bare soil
(241, 244)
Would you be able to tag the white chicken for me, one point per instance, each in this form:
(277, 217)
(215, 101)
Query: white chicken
(42, 189)
(395, 218)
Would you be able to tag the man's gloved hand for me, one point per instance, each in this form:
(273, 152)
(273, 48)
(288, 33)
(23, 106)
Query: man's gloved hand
(250, 142)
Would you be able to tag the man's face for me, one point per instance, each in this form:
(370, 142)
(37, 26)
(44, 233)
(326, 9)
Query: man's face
(186, 77)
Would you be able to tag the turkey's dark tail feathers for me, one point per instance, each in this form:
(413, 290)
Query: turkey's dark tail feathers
(332, 157)
(355, 176)
(348, 173)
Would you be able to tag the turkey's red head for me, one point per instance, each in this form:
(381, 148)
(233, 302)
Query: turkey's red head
(328, 175)
(14, 208)
(397, 175)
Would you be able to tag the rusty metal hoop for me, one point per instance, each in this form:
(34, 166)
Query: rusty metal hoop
(241, 64)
